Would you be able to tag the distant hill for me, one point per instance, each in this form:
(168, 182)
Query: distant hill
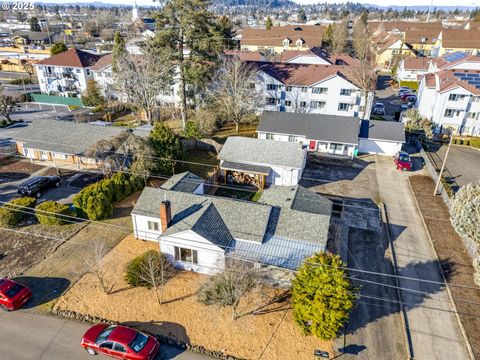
(257, 3)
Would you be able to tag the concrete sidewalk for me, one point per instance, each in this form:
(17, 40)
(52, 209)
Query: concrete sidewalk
(435, 334)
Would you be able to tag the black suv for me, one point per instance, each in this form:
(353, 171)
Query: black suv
(35, 185)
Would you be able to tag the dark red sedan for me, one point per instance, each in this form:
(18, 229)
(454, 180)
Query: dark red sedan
(120, 342)
(13, 295)
(402, 161)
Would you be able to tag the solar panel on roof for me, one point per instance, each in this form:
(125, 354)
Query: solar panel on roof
(455, 56)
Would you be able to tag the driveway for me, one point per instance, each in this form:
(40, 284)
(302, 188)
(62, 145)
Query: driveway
(28, 336)
(463, 163)
(374, 330)
(385, 95)
(433, 328)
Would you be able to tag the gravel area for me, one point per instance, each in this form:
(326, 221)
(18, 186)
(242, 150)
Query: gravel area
(274, 335)
(456, 263)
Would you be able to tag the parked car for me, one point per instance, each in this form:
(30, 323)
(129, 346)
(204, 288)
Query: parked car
(404, 107)
(404, 88)
(404, 96)
(411, 99)
(402, 161)
(379, 111)
(120, 342)
(379, 105)
(35, 185)
(13, 295)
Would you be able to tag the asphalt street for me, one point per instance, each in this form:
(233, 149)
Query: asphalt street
(29, 336)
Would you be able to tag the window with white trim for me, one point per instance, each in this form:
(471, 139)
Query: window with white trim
(271, 101)
(288, 103)
(288, 88)
(302, 104)
(317, 104)
(456, 97)
(61, 156)
(273, 87)
(269, 136)
(451, 113)
(186, 255)
(346, 92)
(343, 107)
(320, 90)
(472, 115)
(303, 89)
(153, 225)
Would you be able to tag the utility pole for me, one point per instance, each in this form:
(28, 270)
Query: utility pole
(443, 166)
(429, 10)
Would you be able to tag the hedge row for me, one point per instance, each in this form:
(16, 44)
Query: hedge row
(11, 215)
(95, 201)
(468, 142)
(50, 213)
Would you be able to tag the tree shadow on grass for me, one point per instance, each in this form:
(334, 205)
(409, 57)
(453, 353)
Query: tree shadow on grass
(44, 289)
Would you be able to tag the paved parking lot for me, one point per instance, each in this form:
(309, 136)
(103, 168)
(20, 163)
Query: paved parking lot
(385, 95)
(463, 163)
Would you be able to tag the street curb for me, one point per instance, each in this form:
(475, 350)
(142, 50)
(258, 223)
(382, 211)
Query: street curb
(447, 287)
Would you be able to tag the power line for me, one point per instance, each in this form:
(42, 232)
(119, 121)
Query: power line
(128, 231)
(358, 295)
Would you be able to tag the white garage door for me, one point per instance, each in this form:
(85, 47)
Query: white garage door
(378, 147)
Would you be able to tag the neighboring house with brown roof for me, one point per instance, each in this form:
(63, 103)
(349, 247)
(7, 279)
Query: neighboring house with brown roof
(387, 46)
(245, 55)
(278, 39)
(458, 40)
(67, 73)
(422, 40)
(307, 88)
(451, 99)
(410, 68)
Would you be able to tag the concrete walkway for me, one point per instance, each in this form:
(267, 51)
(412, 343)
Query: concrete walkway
(435, 334)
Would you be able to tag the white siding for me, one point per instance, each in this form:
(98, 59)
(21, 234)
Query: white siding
(61, 80)
(378, 146)
(140, 227)
(308, 59)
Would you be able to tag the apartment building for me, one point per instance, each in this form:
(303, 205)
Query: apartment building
(457, 40)
(451, 99)
(411, 68)
(306, 88)
(66, 74)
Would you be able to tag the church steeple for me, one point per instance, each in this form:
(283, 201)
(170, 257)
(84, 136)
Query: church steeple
(134, 12)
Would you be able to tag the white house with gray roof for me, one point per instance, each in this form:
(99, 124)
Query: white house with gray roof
(337, 135)
(200, 232)
(330, 134)
(269, 162)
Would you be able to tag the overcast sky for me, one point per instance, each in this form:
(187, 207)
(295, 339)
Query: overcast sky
(379, 2)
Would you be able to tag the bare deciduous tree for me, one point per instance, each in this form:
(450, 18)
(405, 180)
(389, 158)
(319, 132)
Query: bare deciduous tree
(339, 37)
(155, 271)
(124, 149)
(142, 79)
(232, 91)
(228, 288)
(8, 104)
(96, 265)
(363, 74)
(361, 41)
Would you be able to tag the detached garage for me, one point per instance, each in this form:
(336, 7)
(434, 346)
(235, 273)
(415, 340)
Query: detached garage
(381, 137)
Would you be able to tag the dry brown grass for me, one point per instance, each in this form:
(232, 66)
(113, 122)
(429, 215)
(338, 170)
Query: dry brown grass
(181, 316)
(450, 249)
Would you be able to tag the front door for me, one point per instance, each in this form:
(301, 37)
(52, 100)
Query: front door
(312, 146)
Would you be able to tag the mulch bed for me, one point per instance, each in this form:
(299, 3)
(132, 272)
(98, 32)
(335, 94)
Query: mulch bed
(450, 248)
(64, 174)
(13, 165)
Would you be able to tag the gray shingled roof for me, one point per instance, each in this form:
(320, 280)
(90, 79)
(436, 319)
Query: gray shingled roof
(59, 136)
(243, 220)
(339, 129)
(382, 130)
(262, 152)
(296, 198)
(185, 182)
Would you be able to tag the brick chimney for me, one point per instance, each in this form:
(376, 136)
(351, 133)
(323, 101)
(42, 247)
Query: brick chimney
(165, 214)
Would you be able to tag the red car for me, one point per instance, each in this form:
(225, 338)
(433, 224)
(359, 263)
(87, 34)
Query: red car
(13, 295)
(402, 161)
(120, 342)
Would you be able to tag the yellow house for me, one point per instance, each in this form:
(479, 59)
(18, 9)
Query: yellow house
(458, 40)
(278, 39)
(387, 46)
(422, 41)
